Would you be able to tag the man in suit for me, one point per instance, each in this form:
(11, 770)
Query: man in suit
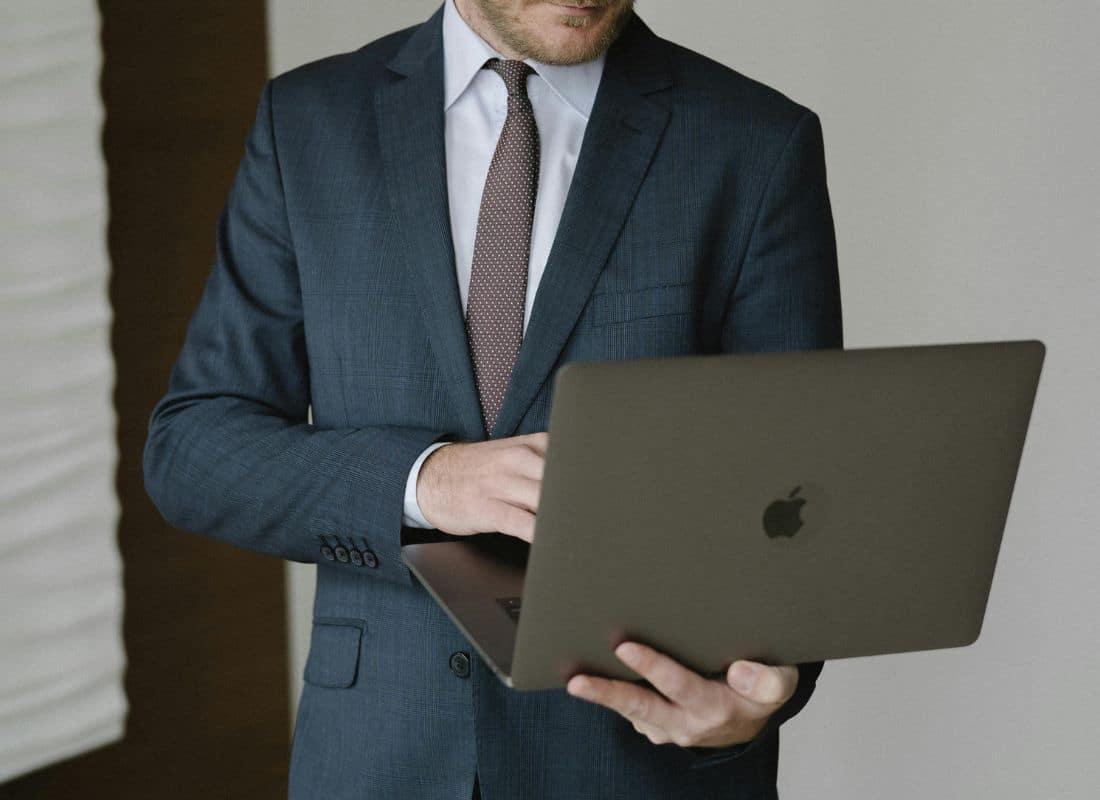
(420, 232)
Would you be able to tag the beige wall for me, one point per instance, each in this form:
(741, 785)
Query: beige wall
(960, 141)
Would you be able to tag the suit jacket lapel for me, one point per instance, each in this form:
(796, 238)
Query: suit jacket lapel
(619, 142)
(410, 132)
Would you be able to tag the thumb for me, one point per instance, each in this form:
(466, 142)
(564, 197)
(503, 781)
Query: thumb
(768, 686)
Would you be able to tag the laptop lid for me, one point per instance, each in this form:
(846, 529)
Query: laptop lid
(782, 507)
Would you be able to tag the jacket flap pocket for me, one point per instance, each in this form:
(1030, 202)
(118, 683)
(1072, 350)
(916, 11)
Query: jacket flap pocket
(333, 654)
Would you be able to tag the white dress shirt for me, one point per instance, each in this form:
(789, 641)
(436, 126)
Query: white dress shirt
(475, 105)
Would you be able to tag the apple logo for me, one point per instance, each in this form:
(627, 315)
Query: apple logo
(784, 517)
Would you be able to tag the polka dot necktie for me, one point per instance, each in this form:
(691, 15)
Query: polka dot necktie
(502, 243)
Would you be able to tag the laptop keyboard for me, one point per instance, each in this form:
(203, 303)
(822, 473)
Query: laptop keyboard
(510, 606)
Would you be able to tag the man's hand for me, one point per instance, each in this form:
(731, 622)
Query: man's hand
(688, 709)
(476, 487)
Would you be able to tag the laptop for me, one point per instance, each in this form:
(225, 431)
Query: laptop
(780, 507)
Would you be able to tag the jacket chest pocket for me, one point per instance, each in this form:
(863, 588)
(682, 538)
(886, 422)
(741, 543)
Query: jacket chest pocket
(645, 322)
(626, 305)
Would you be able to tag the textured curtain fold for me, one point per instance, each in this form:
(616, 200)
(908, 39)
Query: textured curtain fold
(61, 648)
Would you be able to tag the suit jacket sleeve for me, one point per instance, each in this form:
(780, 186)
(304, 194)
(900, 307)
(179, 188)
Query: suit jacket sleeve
(787, 297)
(229, 452)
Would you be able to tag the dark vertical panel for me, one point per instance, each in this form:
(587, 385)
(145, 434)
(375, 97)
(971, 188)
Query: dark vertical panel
(205, 624)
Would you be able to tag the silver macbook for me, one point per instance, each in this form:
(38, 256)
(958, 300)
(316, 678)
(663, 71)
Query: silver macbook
(782, 507)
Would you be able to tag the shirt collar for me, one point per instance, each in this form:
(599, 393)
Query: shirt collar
(464, 53)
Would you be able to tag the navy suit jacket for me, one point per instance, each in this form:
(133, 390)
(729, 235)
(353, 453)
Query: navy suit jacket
(697, 221)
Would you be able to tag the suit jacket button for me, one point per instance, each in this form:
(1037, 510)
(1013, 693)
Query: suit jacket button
(341, 554)
(356, 557)
(460, 664)
(326, 551)
(369, 558)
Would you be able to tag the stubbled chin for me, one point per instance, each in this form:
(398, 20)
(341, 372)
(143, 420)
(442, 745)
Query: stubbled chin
(566, 52)
(568, 44)
(564, 36)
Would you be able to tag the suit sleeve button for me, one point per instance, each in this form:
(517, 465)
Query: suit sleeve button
(370, 559)
(341, 554)
(326, 551)
(356, 557)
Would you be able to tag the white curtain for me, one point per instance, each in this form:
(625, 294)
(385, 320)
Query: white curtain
(61, 651)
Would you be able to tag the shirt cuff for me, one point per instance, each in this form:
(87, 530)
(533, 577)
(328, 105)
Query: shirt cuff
(411, 515)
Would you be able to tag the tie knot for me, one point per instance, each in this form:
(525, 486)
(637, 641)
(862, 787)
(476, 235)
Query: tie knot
(513, 72)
